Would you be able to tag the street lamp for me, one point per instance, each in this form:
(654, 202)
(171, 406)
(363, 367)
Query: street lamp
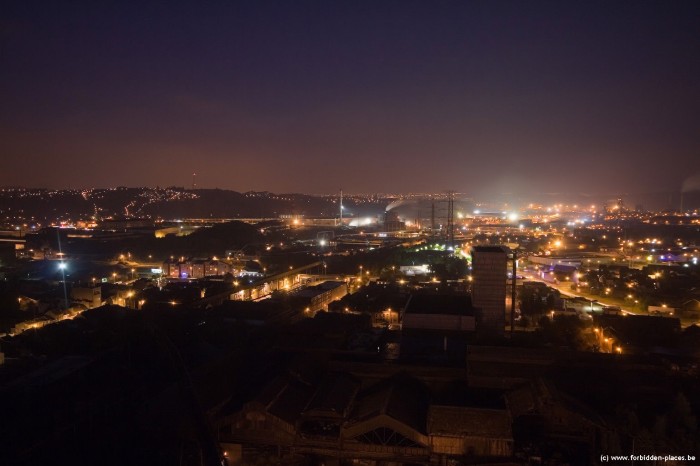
(607, 340)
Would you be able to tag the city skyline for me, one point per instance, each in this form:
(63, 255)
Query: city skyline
(341, 233)
(390, 97)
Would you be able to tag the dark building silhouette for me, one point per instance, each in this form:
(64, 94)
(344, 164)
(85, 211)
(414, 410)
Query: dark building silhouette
(490, 267)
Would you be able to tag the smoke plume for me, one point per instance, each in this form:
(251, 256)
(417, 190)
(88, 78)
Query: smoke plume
(691, 183)
(394, 205)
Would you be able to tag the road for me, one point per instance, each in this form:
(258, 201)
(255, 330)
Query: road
(565, 289)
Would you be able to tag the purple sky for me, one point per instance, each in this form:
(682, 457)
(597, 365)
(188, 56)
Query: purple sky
(371, 96)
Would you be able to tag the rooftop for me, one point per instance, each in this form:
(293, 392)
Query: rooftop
(454, 420)
(400, 397)
(452, 304)
(502, 249)
(334, 395)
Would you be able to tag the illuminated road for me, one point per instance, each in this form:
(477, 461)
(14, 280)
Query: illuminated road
(566, 291)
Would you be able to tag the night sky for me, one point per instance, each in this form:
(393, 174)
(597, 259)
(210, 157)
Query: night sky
(296, 96)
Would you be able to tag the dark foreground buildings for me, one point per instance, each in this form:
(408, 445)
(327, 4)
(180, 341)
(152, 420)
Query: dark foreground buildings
(347, 419)
(257, 383)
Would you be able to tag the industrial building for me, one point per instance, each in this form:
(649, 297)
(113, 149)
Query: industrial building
(490, 270)
(195, 268)
(317, 298)
(446, 312)
(389, 421)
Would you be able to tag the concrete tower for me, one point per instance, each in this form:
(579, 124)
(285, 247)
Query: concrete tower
(490, 271)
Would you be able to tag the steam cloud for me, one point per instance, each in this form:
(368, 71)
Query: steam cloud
(394, 205)
(691, 184)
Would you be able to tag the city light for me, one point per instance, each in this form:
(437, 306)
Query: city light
(520, 198)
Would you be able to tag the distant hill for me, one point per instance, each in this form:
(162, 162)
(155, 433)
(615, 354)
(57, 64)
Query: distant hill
(19, 205)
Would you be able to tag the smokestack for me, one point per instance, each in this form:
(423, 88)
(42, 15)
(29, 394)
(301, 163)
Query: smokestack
(341, 207)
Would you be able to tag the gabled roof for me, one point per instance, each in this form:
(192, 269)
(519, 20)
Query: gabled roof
(400, 397)
(334, 395)
(463, 421)
(539, 395)
(290, 401)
